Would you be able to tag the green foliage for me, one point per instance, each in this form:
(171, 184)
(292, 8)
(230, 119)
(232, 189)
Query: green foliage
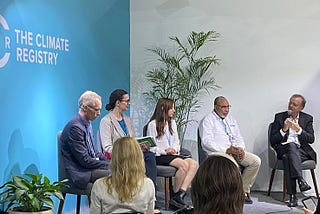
(182, 76)
(31, 193)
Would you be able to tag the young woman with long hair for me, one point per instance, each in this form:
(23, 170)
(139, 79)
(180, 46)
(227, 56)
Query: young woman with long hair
(163, 128)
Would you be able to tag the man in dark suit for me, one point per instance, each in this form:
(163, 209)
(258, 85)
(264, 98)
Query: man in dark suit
(291, 136)
(82, 163)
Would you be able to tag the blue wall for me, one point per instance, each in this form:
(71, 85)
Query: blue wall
(89, 50)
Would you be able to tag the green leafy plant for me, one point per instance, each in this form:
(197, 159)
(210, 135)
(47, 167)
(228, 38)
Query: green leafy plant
(31, 194)
(183, 75)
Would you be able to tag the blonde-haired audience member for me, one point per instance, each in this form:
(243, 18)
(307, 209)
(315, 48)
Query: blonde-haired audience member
(127, 189)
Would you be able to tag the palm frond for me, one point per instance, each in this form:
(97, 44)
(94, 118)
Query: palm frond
(183, 76)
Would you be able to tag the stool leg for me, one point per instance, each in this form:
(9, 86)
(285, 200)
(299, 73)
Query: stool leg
(171, 191)
(78, 204)
(284, 189)
(89, 200)
(166, 192)
(273, 172)
(313, 175)
(61, 203)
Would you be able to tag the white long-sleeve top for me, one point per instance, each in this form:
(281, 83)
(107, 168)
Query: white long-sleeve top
(102, 202)
(215, 137)
(165, 141)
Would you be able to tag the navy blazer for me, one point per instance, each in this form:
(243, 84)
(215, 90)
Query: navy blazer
(305, 138)
(78, 160)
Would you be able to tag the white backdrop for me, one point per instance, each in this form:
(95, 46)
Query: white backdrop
(268, 50)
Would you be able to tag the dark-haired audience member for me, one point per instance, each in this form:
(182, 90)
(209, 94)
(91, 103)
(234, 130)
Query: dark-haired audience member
(163, 128)
(220, 133)
(82, 162)
(217, 187)
(127, 190)
(291, 136)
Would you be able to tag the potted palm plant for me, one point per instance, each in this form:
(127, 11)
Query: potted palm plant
(31, 194)
(183, 74)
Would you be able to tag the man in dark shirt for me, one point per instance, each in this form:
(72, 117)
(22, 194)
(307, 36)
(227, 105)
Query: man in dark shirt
(82, 162)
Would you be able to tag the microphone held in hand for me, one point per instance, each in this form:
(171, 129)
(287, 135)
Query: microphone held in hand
(289, 112)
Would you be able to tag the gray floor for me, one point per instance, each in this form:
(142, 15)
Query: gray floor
(262, 204)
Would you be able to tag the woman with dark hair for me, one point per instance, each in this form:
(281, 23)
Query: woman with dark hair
(127, 190)
(116, 124)
(217, 187)
(163, 128)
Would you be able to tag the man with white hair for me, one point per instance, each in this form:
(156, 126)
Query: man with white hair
(82, 162)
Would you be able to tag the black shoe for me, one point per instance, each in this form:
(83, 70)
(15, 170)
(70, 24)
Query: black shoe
(293, 201)
(175, 205)
(182, 194)
(248, 200)
(177, 201)
(303, 185)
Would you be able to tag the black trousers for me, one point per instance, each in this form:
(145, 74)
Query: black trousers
(151, 167)
(292, 156)
(98, 173)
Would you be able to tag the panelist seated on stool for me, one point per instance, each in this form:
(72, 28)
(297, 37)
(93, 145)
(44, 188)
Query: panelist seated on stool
(219, 133)
(81, 160)
(70, 188)
(163, 128)
(291, 135)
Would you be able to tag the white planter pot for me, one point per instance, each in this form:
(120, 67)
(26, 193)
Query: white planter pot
(49, 211)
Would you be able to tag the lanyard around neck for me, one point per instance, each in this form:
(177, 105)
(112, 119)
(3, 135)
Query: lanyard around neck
(227, 128)
(168, 135)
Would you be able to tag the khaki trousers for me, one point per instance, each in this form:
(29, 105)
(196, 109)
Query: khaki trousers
(250, 164)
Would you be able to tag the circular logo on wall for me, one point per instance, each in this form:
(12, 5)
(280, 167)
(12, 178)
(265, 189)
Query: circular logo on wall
(4, 59)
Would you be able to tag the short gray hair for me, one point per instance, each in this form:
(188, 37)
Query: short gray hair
(88, 98)
(303, 103)
(217, 100)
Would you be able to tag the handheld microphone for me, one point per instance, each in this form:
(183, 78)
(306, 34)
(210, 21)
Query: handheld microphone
(289, 112)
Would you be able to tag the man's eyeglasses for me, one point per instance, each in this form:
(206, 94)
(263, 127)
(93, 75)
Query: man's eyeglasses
(224, 107)
(125, 101)
(294, 104)
(94, 109)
